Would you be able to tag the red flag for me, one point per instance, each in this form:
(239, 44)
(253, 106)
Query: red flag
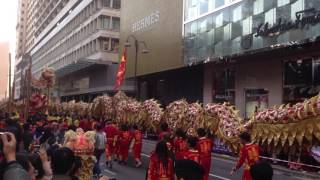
(122, 69)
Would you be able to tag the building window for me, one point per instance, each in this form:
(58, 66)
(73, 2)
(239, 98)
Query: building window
(116, 4)
(224, 86)
(283, 2)
(115, 45)
(105, 22)
(301, 80)
(295, 7)
(219, 3)
(106, 3)
(258, 6)
(204, 5)
(270, 16)
(115, 23)
(191, 10)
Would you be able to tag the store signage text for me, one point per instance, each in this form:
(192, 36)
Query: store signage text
(303, 19)
(146, 22)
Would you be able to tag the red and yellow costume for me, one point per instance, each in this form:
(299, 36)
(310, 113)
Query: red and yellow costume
(124, 143)
(137, 135)
(204, 147)
(249, 154)
(192, 154)
(111, 133)
(180, 146)
(158, 171)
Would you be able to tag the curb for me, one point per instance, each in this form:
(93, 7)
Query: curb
(303, 174)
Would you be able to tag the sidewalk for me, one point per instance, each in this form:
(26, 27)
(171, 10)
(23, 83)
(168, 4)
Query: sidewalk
(302, 174)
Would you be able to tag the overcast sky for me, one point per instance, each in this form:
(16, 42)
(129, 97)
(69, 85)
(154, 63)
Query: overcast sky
(8, 19)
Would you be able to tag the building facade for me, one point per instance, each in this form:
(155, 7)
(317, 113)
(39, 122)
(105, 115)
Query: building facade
(257, 53)
(80, 41)
(253, 54)
(4, 70)
(161, 72)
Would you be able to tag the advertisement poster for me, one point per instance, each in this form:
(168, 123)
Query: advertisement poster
(256, 100)
(220, 147)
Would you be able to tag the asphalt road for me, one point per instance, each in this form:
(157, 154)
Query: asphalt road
(220, 168)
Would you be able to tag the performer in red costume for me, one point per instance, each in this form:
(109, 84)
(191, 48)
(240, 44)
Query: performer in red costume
(249, 155)
(204, 147)
(161, 164)
(112, 134)
(192, 153)
(180, 145)
(124, 144)
(164, 131)
(137, 135)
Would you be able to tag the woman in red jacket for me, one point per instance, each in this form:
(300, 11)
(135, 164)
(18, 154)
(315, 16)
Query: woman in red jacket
(161, 164)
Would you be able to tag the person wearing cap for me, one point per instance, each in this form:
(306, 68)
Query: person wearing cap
(249, 155)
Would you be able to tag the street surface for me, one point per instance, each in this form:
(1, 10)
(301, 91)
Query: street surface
(220, 168)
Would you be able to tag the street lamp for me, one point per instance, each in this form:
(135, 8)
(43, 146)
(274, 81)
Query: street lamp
(145, 50)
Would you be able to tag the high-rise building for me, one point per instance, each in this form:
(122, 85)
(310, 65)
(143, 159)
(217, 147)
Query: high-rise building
(4, 69)
(79, 39)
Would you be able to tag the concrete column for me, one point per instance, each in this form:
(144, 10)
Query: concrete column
(207, 83)
(98, 47)
(109, 48)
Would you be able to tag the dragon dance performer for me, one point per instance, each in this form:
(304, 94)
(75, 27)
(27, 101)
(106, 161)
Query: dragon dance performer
(112, 134)
(204, 147)
(192, 154)
(180, 144)
(161, 164)
(164, 131)
(137, 146)
(249, 155)
(124, 144)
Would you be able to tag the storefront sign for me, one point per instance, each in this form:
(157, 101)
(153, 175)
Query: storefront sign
(303, 19)
(146, 22)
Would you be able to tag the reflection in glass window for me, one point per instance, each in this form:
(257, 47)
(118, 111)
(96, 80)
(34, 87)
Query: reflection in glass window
(258, 6)
(115, 23)
(105, 22)
(219, 3)
(211, 5)
(202, 25)
(116, 4)
(283, 2)
(270, 16)
(219, 20)
(194, 28)
(247, 26)
(237, 14)
(227, 32)
(191, 9)
(204, 5)
(295, 7)
(106, 3)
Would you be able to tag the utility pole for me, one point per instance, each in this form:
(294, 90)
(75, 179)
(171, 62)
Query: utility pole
(10, 92)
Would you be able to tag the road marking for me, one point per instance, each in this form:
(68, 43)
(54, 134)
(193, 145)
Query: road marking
(146, 155)
(110, 172)
(219, 177)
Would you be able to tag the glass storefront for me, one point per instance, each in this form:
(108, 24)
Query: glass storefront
(301, 79)
(231, 26)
